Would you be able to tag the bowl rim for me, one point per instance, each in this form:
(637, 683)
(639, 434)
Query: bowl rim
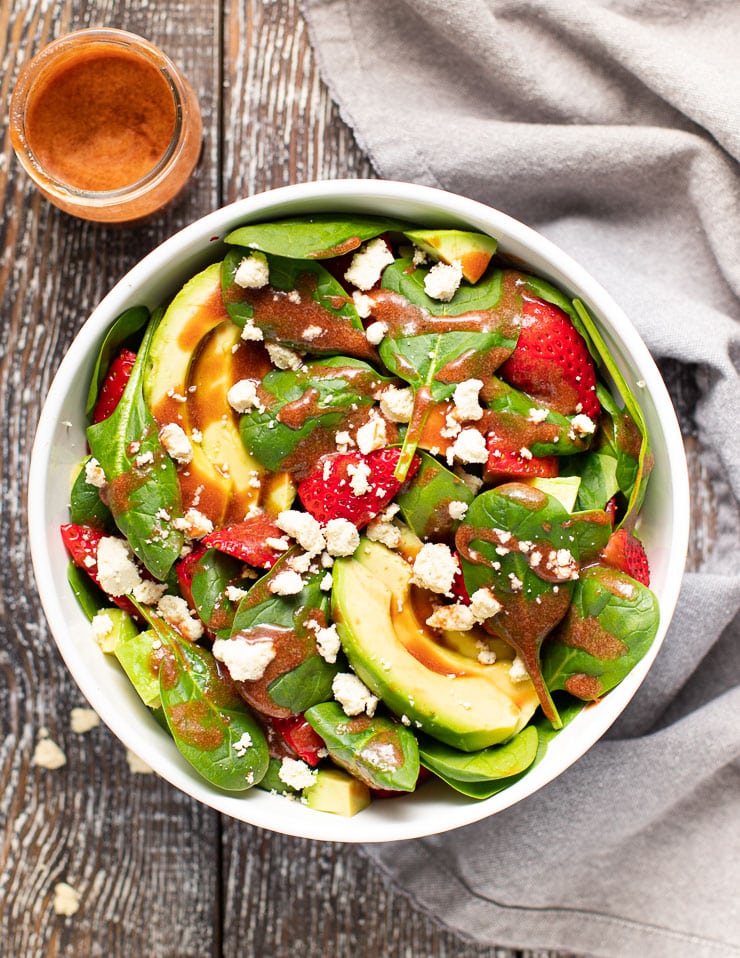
(194, 239)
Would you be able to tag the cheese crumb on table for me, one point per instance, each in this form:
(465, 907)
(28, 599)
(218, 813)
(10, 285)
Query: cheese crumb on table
(82, 720)
(47, 754)
(353, 695)
(66, 899)
(136, 765)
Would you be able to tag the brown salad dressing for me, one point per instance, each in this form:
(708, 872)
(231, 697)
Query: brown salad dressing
(290, 650)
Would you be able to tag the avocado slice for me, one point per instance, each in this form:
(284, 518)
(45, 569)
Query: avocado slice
(337, 792)
(450, 696)
(473, 250)
(563, 488)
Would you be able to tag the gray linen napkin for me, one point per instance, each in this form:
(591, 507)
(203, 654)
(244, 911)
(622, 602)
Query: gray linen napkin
(612, 126)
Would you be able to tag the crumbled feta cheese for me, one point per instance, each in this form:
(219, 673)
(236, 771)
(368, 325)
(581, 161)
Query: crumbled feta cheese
(537, 415)
(419, 257)
(136, 765)
(252, 333)
(83, 720)
(443, 280)
(312, 332)
(583, 425)
(363, 304)
(561, 564)
(384, 532)
(472, 482)
(246, 659)
(242, 745)
(457, 509)
(435, 567)
(342, 537)
(234, 594)
(328, 644)
(457, 618)
(372, 435)
(282, 357)
(94, 475)
(149, 592)
(470, 446)
(326, 583)
(359, 474)
(194, 524)
(486, 656)
(397, 404)
(303, 528)
(525, 452)
(286, 583)
(368, 264)
(518, 671)
(452, 426)
(102, 632)
(176, 443)
(344, 441)
(484, 604)
(243, 396)
(252, 272)
(296, 773)
(294, 297)
(353, 695)
(515, 582)
(279, 545)
(66, 899)
(47, 754)
(465, 399)
(174, 610)
(375, 333)
(117, 573)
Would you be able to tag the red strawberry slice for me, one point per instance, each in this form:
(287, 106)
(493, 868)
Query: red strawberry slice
(551, 361)
(185, 570)
(459, 590)
(611, 510)
(82, 544)
(247, 540)
(625, 552)
(114, 385)
(301, 737)
(327, 492)
(504, 462)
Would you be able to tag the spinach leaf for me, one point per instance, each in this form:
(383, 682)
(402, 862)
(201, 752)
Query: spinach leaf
(598, 473)
(529, 423)
(425, 500)
(516, 540)
(271, 781)
(379, 752)
(207, 719)
(91, 599)
(435, 354)
(610, 625)
(86, 508)
(488, 764)
(307, 405)
(130, 322)
(632, 419)
(591, 529)
(304, 686)
(318, 236)
(212, 574)
(142, 489)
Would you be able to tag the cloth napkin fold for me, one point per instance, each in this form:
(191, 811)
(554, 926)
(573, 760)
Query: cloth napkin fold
(613, 127)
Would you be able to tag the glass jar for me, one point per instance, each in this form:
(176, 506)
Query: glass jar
(105, 125)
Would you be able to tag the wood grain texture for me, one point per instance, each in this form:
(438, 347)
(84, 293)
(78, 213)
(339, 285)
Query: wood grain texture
(159, 875)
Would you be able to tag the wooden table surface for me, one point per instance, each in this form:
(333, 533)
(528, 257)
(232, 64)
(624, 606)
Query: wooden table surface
(159, 875)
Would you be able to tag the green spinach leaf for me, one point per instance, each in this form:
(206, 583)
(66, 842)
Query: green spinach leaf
(91, 599)
(213, 572)
(379, 752)
(128, 324)
(488, 764)
(425, 500)
(318, 236)
(142, 489)
(86, 508)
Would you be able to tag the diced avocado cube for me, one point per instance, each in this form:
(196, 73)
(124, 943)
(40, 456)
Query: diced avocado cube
(139, 654)
(108, 625)
(337, 792)
(562, 488)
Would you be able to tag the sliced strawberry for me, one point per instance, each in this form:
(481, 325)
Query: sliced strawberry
(459, 590)
(247, 540)
(82, 544)
(551, 361)
(625, 552)
(185, 570)
(611, 510)
(506, 463)
(301, 737)
(114, 385)
(327, 492)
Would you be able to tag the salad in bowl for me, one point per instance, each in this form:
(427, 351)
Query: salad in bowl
(357, 516)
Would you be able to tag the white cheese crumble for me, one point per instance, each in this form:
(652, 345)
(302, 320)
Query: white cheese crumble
(176, 443)
(234, 594)
(243, 396)
(397, 404)
(149, 592)
(372, 435)
(328, 644)
(312, 332)
(296, 773)
(303, 528)
(457, 618)
(286, 583)
(245, 659)
(83, 720)
(470, 446)
(359, 474)
(583, 425)
(486, 656)
(174, 610)
(343, 440)
(518, 671)
(242, 744)
(435, 567)
(363, 304)
(136, 765)
(282, 357)
(48, 755)
(561, 564)
(457, 509)
(465, 399)
(342, 537)
(66, 899)
(102, 631)
(537, 415)
(484, 604)
(251, 333)
(443, 280)
(326, 583)
(353, 695)
(117, 573)
(252, 272)
(375, 333)
(368, 264)
(388, 534)
(94, 475)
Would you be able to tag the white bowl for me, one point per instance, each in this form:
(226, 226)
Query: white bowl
(60, 444)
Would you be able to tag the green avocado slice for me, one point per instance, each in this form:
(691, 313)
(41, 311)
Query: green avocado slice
(434, 688)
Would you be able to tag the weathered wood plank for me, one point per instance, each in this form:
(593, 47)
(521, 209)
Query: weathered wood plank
(142, 857)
